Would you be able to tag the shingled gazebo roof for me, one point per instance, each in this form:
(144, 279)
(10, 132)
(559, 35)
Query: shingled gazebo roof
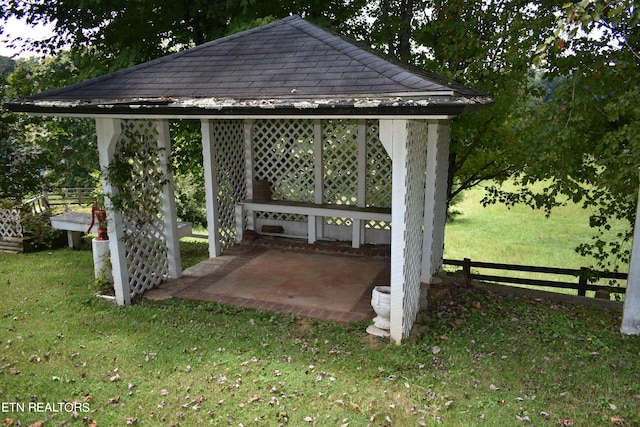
(290, 67)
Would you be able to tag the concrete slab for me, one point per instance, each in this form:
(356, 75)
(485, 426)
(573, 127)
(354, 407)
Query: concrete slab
(302, 279)
(323, 281)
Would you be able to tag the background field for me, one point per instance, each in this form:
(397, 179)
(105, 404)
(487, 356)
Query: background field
(519, 235)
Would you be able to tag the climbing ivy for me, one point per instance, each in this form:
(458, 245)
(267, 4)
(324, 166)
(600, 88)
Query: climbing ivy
(135, 171)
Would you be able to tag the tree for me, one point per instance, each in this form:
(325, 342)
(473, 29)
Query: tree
(488, 45)
(123, 32)
(40, 153)
(581, 140)
(15, 160)
(7, 65)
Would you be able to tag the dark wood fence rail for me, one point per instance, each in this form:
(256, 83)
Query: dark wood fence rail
(70, 196)
(582, 275)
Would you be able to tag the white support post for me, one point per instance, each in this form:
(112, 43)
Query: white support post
(249, 176)
(631, 312)
(108, 131)
(358, 225)
(393, 135)
(211, 187)
(435, 203)
(169, 211)
(318, 179)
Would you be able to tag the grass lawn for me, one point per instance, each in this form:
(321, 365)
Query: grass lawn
(485, 359)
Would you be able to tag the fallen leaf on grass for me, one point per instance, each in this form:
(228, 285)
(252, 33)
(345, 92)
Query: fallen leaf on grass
(494, 387)
(618, 421)
(132, 421)
(38, 423)
(8, 422)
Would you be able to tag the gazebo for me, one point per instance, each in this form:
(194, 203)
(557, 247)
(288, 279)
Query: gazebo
(353, 144)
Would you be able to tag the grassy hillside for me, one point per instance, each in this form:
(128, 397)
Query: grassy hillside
(519, 235)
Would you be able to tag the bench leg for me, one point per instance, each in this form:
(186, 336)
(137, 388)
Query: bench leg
(74, 238)
(239, 223)
(356, 236)
(311, 226)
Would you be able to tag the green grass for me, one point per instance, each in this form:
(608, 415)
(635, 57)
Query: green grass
(484, 359)
(520, 235)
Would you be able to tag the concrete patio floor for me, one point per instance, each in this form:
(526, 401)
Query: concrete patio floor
(326, 281)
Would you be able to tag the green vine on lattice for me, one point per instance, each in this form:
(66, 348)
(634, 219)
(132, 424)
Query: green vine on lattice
(136, 163)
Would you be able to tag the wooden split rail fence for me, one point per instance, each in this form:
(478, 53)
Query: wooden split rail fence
(70, 196)
(582, 276)
(12, 233)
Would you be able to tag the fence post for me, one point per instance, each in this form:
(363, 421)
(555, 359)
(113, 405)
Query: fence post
(582, 283)
(466, 269)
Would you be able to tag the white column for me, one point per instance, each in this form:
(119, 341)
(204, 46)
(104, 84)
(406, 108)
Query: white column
(108, 132)
(358, 225)
(318, 179)
(631, 313)
(169, 211)
(211, 187)
(249, 178)
(393, 135)
(435, 203)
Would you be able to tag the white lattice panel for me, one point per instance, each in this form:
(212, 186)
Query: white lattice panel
(379, 168)
(228, 137)
(284, 156)
(144, 240)
(340, 161)
(10, 226)
(417, 132)
(353, 166)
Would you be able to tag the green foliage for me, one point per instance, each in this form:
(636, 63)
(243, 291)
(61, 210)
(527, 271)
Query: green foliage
(39, 228)
(580, 139)
(21, 160)
(7, 65)
(42, 153)
(136, 173)
(186, 157)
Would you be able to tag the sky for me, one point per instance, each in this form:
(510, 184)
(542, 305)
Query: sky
(13, 28)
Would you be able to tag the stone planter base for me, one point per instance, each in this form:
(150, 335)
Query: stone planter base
(374, 330)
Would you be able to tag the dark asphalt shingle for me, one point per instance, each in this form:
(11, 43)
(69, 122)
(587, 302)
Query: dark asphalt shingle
(291, 58)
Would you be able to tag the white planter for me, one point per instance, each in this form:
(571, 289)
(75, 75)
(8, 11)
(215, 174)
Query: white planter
(381, 303)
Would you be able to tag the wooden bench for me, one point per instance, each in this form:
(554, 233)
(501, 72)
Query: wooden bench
(312, 210)
(77, 223)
